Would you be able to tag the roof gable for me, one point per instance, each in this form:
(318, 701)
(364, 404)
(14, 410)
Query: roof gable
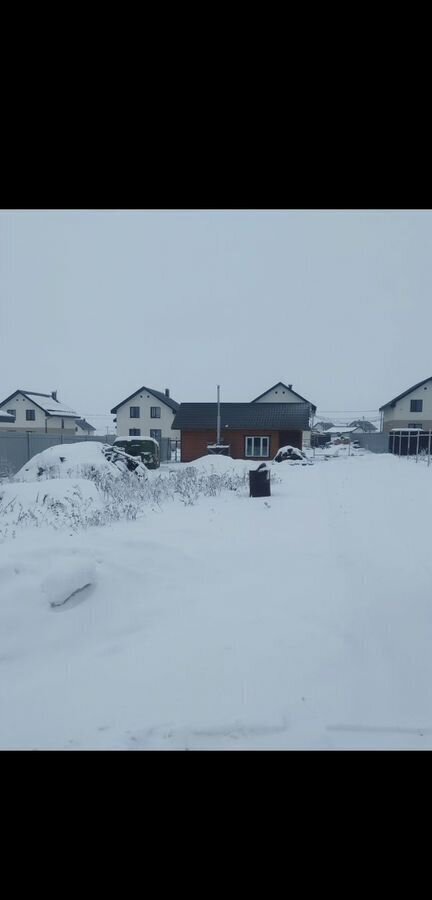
(405, 393)
(287, 387)
(158, 394)
(51, 408)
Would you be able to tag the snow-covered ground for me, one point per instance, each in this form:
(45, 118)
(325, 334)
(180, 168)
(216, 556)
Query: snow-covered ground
(303, 620)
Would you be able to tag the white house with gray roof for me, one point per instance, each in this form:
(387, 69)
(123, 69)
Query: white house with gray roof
(411, 409)
(34, 411)
(147, 412)
(284, 393)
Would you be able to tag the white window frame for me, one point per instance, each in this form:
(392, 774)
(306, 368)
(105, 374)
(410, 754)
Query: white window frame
(261, 439)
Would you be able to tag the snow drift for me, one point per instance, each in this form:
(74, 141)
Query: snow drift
(86, 459)
(59, 502)
(66, 579)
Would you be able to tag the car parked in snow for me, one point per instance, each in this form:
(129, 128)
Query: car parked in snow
(145, 448)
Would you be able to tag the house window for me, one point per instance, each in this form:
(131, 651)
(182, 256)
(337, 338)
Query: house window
(155, 412)
(156, 433)
(134, 432)
(134, 412)
(257, 446)
(30, 415)
(416, 406)
(11, 412)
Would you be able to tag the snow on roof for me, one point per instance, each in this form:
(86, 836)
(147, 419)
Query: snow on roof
(136, 437)
(54, 407)
(341, 429)
(46, 402)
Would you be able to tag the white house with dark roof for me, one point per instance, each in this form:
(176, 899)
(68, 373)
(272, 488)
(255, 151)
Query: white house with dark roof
(33, 411)
(411, 409)
(284, 393)
(147, 412)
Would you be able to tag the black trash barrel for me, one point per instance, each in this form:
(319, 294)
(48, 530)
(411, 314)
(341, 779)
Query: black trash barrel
(259, 482)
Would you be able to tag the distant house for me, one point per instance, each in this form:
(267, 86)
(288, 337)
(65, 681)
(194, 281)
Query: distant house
(411, 409)
(320, 427)
(365, 426)
(249, 430)
(33, 411)
(343, 431)
(284, 393)
(83, 427)
(147, 412)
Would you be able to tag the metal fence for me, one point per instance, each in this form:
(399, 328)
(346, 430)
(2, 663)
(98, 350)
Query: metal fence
(16, 448)
(169, 450)
(411, 443)
(375, 441)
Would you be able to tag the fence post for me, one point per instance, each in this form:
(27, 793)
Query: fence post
(417, 447)
(400, 441)
(28, 446)
(429, 447)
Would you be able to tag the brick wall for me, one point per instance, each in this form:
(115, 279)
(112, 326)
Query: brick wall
(194, 443)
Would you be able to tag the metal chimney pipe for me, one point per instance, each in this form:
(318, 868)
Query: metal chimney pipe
(218, 420)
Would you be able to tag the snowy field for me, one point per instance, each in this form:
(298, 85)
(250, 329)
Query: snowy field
(303, 620)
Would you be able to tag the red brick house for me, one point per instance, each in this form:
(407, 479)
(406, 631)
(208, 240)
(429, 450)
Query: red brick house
(250, 430)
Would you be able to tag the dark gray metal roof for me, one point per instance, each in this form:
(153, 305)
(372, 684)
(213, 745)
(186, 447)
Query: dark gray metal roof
(5, 418)
(84, 424)
(201, 416)
(400, 396)
(158, 394)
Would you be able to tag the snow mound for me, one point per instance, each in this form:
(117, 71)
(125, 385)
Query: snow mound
(86, 459)
(58, 502)
(215, 463)
(291, 454)
(66, 579)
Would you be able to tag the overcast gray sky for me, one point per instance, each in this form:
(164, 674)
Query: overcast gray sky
(97, 303)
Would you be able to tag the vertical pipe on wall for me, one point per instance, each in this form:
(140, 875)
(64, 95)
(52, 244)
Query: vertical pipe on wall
(218, 420)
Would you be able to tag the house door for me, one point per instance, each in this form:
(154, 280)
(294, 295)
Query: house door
(156, 433)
